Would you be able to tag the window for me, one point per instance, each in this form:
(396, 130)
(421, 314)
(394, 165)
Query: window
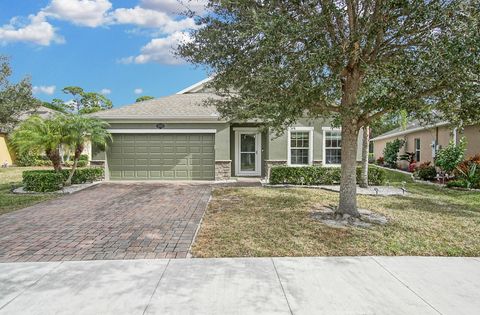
(300, 146)
(333, 146)
(417, 150)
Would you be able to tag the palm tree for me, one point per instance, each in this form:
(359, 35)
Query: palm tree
(78, 130)
(40, 135)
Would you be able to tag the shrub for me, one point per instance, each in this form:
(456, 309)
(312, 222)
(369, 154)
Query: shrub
(42, 181)
(381, 161)
(315, 175)
(449, 157)
(26, 159)
(426, 171)
(412, 167)
(471, 175)
(457, 184)
(85, 175)
(80, 163)
(83, 157)
(371, 158)
(390, 152)
(50, 180)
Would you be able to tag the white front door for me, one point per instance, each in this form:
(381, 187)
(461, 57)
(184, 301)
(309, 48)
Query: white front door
(248, 153)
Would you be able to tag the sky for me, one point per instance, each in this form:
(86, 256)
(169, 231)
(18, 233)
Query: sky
(122, 48)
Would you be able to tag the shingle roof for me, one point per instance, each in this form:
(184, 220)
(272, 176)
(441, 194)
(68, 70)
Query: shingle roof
(177, 106)
(411, 127)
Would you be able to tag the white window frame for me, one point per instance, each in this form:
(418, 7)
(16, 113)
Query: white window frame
(419, 149)
(310, 145)
(324, 155)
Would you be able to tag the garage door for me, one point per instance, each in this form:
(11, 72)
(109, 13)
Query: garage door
(162, 156)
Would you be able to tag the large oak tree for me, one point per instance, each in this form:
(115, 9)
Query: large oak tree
(355, 60)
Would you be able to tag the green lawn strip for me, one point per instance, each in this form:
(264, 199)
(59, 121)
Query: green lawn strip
(12, 177)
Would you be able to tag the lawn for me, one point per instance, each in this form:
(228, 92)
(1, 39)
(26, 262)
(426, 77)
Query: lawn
(430, 221)
(8, 201)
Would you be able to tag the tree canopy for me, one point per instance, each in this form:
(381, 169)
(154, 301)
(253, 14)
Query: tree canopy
(353, 60)
(144, 98)
(15, 98)
(86, 102)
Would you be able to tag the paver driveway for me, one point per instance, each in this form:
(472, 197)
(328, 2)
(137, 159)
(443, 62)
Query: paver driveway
(108, 221)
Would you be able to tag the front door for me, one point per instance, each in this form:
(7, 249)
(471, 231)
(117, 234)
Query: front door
(248, 158)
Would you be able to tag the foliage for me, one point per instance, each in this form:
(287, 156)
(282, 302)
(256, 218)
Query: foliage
(471, 175)
(412, 167)
(86, 102)
(79, 129)
(315, 175)
(408, 156)
(390, 152)
(42, 181)
(380, 161)
(449, 157)
(40, 135)
(466, 164)
(15, 98)
(80, 163)
(144, 98)
(58, 105)
(49, 180)
(426, 171)
(280, 61)
(371, 158)
(28, 159)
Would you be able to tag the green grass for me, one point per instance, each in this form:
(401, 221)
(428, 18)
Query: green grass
(397, 177)
(429, 221)
(12, 177)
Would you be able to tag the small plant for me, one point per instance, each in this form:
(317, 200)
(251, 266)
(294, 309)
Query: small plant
(408, 156)
(448, 158)
(426, 171)
(380, 161)
(470, 176)
(391, 150)
(412, 167)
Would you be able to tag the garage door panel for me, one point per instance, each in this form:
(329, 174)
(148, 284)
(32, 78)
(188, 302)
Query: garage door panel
(162, 156)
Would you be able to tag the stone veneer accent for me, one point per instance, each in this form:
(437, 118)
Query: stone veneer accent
(271, 163)
(223, 169)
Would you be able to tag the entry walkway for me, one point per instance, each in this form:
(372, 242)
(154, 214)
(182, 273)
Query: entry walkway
(323, 285)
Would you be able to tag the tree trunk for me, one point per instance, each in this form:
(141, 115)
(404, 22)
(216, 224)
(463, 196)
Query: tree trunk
(348, 182)
(365, 146)
(78, 152)
(55, 158)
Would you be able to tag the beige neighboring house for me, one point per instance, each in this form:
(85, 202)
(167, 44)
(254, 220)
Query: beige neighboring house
(425, 141)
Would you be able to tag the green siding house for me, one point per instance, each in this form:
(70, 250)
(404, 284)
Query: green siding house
(179, 138)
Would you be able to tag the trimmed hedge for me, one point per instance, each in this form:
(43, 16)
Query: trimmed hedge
(50, 180)
(316, 175)
(42, 181)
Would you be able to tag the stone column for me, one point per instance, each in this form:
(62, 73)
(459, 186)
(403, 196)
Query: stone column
(223, 169)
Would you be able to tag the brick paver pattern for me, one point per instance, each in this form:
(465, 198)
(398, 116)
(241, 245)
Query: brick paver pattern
(108, 221)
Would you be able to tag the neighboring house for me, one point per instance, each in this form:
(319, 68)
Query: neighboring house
(425, 141)
(6, 153)
(178, 137)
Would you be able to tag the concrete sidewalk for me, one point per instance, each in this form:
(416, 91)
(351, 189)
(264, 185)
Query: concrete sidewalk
(323, 285)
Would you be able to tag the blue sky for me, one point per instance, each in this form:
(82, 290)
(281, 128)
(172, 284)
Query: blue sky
(121, 48)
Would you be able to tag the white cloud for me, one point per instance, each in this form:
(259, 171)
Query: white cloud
(138, 91)
(37, 31)
(174, 6)
(42, 89)
(91, 13)
(160, 50)
(151, 19)
(105, 91)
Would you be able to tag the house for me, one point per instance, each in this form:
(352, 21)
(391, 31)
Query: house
(425, 141)
(6, 153)
(178, 137)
